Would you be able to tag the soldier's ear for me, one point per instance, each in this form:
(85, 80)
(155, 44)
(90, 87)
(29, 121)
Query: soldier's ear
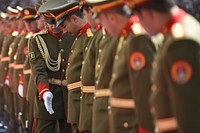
(74, 19)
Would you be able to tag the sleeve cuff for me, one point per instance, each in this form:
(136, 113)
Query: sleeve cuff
(42, 88)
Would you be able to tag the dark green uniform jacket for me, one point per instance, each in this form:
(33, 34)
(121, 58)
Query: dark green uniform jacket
(176, 91)
(88, 82)
(75, 61)
(130, 84)
(43, 75)
(106, 52)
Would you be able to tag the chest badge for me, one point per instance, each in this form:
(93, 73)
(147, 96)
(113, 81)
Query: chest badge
(181, 72)
(137, 61)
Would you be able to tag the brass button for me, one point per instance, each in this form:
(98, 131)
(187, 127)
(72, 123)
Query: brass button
(125, 124)
(63, 59)
(154, 65)
(80, 77)
(81, 97)
(62, 50)
(97, 82)
(60, 40)
(68, 64)
(109, 107)
(99, 66)
(86, 48)
(153, 87)
(100, 50)
(116, 57)
(72, 50)
(113, 75)
(63, 70)
(83, 62)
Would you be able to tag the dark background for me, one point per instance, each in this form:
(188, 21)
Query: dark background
(190, 6)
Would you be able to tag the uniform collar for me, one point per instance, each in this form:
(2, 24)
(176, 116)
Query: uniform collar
(83, 29)
(127, 27)
(175, 19)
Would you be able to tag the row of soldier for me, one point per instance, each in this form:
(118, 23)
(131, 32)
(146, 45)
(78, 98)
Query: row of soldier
(94, 68)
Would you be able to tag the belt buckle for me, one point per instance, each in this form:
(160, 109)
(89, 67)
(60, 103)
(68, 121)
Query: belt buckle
(64, 82)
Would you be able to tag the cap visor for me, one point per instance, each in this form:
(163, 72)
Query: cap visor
(58, 23)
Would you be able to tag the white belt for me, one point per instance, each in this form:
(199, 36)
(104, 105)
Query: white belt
(57, 81)
(74, 85)
(27, 71)
(102, 93)
(19, 66)
(122, 103)
(167, 124)
(88, 89)
(3, 59)
(11, 65)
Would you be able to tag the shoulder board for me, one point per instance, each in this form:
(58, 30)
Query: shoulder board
(29, 35)
(137, 28)
(89, 33)
(177, 30)
(42, 32)
(15, 33)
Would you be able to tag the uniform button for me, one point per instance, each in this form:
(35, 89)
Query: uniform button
(99, 66)
(100, 50)
(62, 50)
(66, 77)
(80, 77)
(60, 40)
(94, 97)
(125, 124)
(63, 70)
(153, 87)
(83, 62)
(76, 39)
(97, 82)
(5, 68)
(72, 50)
(113, 75)
(86, 48)
(154, 65)
(109, 107)
(104, 37)
(80, 97)
(116, 57)
(68, 64)
(63, 59)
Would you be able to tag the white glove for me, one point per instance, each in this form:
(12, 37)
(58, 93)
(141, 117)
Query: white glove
(7, 82)
(48, 96)
(20, 90)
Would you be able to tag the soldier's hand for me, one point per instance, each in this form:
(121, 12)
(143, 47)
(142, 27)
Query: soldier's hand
(48, 96)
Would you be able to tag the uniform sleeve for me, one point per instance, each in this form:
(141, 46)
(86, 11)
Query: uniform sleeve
(140, 56)
(184, 71)
(38, 67)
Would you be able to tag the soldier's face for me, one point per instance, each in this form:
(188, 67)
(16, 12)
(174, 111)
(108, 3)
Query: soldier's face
(69, 27)
(148, 21)
(110, 22)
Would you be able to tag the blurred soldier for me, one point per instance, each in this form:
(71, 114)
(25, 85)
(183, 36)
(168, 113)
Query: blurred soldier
(48, 53)
(88, 70)
(19, 92)
(28, 81)
(130, 110)
(2, 35)
(176, 68)
(10, 34)
(106, 52)
(70, 18)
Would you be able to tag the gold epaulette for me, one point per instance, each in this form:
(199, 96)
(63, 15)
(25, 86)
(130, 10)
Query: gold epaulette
(30, 34)
(42, 32)
(137, 28)
(89, 33)
(15, 33)
(177, 30)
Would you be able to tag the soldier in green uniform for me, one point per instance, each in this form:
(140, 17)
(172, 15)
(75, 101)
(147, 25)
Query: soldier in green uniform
(2, 35)
(130, 111)
(27, 15)
(88, 71)
(10, 35)
(49, 52)
(70, 18)
(175, 92)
